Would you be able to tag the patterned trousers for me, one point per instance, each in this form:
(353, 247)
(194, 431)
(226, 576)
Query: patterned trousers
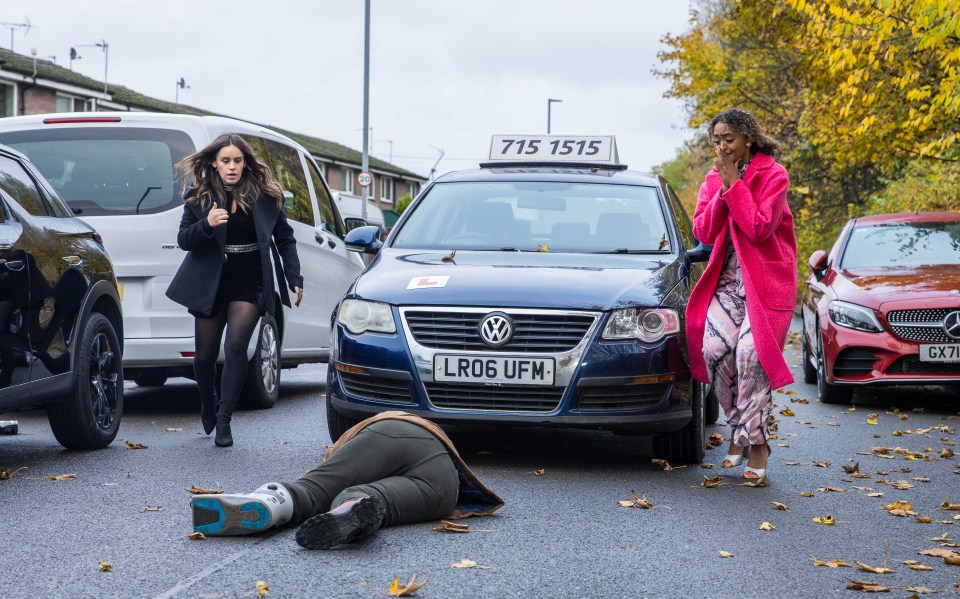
(733, 367)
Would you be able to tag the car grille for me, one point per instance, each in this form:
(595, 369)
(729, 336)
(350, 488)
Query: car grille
(920, 325)
(377, 388)
(515, 398)
(854, 362)
(622, 397)
(913, 365)
(541, 333)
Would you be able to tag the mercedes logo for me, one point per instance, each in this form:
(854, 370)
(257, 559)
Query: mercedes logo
(496, 328)
(951, 324)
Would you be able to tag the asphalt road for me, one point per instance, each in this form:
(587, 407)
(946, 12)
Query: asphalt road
(561, 533)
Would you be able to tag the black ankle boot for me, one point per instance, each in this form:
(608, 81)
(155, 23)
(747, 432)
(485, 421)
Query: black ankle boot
(224, 438)
(208, 413)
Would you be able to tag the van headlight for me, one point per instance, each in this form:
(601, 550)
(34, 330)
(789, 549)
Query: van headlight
(645, 324)
(360, 316)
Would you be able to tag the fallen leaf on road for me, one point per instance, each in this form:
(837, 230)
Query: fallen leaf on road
(398, 590)
(866, 586)
(923, 519)
(946, 453)
(539, 472)
(637, 501)
(900, 508)
(780, 506)
(665, 465)
(153, 508)
(262, 589)
(201, 491)
(105, 567)
(758, 482)
(820, 464)
(61, 477)
(196, 536)
(447, 526)
(827, 520)
(173, 430)
(766, 526)
(8, 474)
(834, 563)
(716, 439)
(806, 494)
(710, 483)
(725, 554)
(707, 466)
(946, 505)
(877, 570)
(787, 412)
(915, 565)
(464, 563)
(130, 445)
(831, 490)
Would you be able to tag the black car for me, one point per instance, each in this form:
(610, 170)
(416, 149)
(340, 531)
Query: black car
(546, 288)
(60, 315)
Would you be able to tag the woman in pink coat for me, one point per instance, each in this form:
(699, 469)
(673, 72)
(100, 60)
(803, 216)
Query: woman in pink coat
(740, 310)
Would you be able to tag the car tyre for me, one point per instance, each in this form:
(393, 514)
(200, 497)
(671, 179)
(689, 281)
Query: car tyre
(687, 444)
(337, 424)
(152, 377)
(809, 370)
(262, 385)
(89, 416)
(832, 394)
(712, 408)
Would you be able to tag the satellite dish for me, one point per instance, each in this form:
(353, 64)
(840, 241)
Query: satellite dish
(73, 54)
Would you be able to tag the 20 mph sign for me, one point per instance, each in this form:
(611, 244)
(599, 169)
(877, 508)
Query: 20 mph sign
(364, 179)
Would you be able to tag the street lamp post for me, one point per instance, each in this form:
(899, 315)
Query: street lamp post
(550, 101)
(365, 160)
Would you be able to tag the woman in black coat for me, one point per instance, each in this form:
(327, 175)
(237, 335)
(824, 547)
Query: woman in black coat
(233, 220)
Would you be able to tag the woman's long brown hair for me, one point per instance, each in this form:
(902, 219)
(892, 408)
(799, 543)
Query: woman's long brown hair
(207, 187)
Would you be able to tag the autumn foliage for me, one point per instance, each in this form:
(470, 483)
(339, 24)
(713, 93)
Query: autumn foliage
(864, 96)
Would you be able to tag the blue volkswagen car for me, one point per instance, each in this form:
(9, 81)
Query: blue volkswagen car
(545, 288)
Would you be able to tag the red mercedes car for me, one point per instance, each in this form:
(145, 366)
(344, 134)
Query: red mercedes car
(883, 307)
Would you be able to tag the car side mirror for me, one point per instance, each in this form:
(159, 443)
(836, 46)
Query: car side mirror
(818, 263)
(352, 223)
(701, 253)
(364, 239)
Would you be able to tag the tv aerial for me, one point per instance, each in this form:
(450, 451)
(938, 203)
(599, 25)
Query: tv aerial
(25, 26)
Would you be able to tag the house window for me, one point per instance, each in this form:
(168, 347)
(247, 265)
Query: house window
(66, 103)
(7, 93)
(347, 175)
(386, 189)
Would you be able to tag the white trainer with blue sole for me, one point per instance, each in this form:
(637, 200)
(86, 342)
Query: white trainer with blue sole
(267, 507)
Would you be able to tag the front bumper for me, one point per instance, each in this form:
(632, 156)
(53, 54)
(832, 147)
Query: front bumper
(859, 358)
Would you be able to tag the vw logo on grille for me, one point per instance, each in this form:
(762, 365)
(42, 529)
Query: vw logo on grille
(496, 328)
(951, 324)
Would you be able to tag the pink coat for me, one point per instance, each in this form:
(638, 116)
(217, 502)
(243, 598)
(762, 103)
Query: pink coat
(755, 215)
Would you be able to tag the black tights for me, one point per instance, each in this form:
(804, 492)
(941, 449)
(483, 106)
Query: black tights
(239, 318)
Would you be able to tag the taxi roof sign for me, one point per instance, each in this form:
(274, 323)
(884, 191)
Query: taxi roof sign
(569, 150)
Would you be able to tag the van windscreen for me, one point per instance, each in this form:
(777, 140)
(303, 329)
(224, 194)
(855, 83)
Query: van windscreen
(108, 171)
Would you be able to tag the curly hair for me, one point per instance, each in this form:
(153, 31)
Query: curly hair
(207, 186)
(745, 124)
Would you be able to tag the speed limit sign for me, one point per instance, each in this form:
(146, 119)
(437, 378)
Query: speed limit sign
(364, 179)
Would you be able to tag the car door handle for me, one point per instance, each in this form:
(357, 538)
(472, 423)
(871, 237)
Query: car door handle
(72, 260)
(14, 265)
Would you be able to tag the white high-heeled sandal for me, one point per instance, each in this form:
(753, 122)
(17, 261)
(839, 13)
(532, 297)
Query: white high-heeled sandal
(734, 460)
(757, 472)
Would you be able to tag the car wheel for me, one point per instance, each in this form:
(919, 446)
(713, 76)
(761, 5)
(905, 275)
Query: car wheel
(687, 444)
(337, 424)
(828, 393)
(89, 417)
(262, 385)
(712, 408)
(809, 370)
(152, 377)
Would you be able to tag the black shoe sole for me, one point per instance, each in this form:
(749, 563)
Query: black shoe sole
(359, 523)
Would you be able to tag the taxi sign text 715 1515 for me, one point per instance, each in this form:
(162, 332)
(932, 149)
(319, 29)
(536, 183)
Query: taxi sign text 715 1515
(600, 150)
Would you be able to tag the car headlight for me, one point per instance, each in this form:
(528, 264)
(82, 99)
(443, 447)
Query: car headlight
(361, 316)
(644, 324)
(853, 316)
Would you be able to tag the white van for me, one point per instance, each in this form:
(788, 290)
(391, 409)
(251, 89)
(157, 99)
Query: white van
(116, 171)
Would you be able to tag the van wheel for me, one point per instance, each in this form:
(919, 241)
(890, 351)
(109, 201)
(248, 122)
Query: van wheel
(89, 416)
(152, 377)
(262, 385)
(687, 444)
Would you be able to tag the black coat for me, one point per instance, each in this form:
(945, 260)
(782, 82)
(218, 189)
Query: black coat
(196, 281)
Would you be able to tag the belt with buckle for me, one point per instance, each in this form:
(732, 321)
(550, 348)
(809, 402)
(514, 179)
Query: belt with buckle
(241, 248)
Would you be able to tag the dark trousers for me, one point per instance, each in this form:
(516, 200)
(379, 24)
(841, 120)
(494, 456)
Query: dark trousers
(401, 463)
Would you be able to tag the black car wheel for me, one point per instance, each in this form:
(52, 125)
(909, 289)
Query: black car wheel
(809, 370)
(89, 417)
(712, 407)
(337, 424)
(829, 393)
(687, 444)
(262, 386)
(151, 377)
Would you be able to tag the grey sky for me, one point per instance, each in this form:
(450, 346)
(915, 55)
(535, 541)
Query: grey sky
(445, 74)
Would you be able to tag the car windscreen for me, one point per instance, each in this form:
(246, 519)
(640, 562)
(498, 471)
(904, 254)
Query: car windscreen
(537, 216)
(903, 244)
(108, 171)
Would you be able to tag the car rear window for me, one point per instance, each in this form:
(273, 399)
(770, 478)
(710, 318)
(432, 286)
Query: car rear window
(907, 244)
(537, 216)
(108, 171)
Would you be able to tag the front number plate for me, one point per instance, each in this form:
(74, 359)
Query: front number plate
(505, 370)
(944, 352)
